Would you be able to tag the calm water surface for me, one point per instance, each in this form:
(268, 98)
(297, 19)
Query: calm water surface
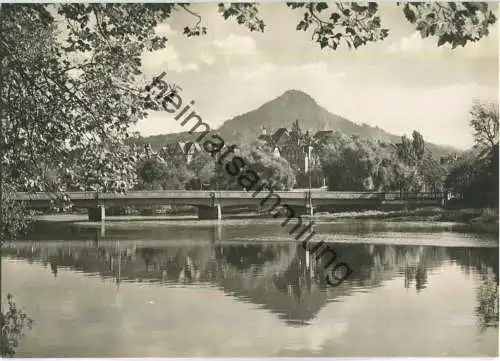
(244, 289)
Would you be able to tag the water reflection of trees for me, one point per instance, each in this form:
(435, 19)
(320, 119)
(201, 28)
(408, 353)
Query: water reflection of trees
(377, 263)
(487, 301)
(476, 259)
(280, 277)
(483, 262)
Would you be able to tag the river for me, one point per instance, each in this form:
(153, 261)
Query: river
(244, 288)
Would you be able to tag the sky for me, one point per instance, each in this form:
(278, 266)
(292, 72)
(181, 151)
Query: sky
(399, 84)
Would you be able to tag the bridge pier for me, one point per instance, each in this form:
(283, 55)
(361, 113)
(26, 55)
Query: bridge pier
(97, 214)
(209, 212)
(303, 211)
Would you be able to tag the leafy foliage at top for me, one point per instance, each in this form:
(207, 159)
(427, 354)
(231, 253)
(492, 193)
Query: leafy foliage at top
(356, 24)
(353, 23)
(245, 14)
(455, 23)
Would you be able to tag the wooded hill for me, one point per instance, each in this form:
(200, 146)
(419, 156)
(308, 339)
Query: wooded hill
(282, 112)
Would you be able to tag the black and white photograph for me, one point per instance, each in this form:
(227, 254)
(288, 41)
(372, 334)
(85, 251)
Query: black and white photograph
(249, 179)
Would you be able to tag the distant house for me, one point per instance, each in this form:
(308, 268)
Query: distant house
(163, 153)
(283, 144)
(288, 144)
(182, 147)
(276, 152)
(184, 150)
(322, 134)
(281, 137)
(172, 150)
(300, 149)
(190, 150)
(265, 138)
(148, 150)
(295, 154)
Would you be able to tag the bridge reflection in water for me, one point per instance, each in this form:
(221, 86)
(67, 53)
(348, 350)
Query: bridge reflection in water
(279, 277)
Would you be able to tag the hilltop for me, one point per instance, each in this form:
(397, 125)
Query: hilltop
(282, 112)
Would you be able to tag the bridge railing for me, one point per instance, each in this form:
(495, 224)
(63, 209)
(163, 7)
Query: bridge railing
(156, 194)
(47, 196)
(182, 194)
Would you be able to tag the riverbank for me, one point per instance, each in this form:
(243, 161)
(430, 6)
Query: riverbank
(475, 220)
(481, 220)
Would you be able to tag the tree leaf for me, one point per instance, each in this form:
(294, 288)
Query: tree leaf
(442, 40)
(321, 6)
(334, 17)
(409, 14)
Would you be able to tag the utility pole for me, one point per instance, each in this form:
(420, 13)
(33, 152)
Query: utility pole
(309, 148)
(216, 176)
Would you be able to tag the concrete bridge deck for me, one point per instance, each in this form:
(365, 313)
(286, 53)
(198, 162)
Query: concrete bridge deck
(210, 203)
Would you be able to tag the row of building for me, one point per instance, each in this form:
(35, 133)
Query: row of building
(296, 147)
(178, 149)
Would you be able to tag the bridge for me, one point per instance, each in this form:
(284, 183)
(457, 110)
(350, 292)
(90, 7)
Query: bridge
(211, 203)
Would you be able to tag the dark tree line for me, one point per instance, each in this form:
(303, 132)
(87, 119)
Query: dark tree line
(473, 176)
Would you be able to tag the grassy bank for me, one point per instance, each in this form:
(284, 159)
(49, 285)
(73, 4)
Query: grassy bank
(475, 220)
(485, 220)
